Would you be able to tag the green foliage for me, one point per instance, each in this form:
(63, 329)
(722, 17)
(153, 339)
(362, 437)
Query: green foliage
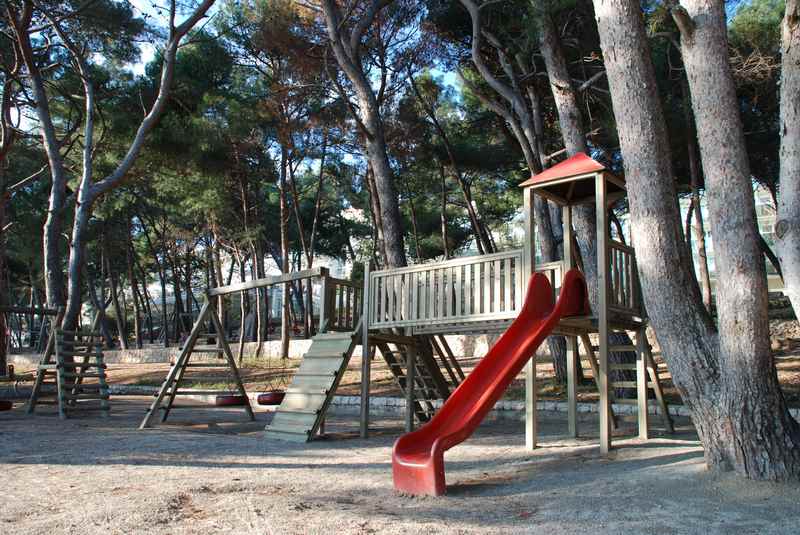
(756, 25)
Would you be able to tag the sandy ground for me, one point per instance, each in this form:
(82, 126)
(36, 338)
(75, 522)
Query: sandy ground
(93, 475)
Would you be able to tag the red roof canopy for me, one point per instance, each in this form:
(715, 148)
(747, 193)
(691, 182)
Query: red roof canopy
(580, 164)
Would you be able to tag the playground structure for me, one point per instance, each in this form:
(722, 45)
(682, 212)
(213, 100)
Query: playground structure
(403, 314)
(469, 292)
(338, 311)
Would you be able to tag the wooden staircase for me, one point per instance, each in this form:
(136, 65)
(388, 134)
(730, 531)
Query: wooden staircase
(302, 411)
(77, 378)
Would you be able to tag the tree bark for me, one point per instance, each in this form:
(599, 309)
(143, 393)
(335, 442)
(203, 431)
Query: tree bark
(377, 217)
(443, 214)
(698, 229)
(787, 227)
(413, 213)
(346, 48)
(726, 379)
(137, 312)
(284, 224)
(51, 234)
(119, 312)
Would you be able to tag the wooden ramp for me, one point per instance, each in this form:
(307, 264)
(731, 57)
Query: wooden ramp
(302, 410)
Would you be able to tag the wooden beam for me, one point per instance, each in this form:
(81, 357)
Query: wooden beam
(268, 281)
(602, 312)
(572, 385)
(411, 372)
(529, 265)
(641, 384)
(366, 357)
(180, 363)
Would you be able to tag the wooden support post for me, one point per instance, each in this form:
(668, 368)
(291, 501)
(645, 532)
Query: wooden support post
(529, 266)
(323, 304)
(411, 372)
(653, 372)
(566, 218)
(602, 312)
(572, 385)
(531, 394)
(366, 359)
(641, 383)
(179, 363)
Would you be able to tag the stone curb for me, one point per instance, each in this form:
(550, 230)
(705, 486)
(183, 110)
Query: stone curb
(399, 404)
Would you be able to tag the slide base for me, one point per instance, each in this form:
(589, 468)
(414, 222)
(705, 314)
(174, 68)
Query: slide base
(420, 479)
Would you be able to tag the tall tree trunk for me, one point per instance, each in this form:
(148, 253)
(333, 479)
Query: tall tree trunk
(304, 307)
(162, 276)
(137, 312)
(413, 213)
(753, 434)
(377, 216)
(284, 224)
(51, 234)
(746, 359)
(119, 313)
(218, 280)
(3, 289)
(787, 227)
(100, 305)
(187, 286)
(698, 229)
(244, 307)
(368, 117)
(443, 215)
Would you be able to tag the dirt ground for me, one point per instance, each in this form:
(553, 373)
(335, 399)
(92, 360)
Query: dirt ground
(200, 474)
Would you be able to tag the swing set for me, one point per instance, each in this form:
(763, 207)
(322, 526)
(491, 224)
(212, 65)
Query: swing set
(208, 350)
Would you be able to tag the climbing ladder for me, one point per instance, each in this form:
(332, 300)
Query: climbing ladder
(430, 384)
(302, 411)
(646, 377)
(76, 379)
(164, 401)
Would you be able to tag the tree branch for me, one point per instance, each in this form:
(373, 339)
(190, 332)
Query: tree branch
(152, 117)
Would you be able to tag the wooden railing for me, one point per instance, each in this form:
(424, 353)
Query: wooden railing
(554, 271)
(481, 288)
(624, 292)
(463, 290)
(341, 306)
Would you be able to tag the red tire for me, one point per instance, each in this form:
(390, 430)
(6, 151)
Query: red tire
(232, 400)
(274, 397)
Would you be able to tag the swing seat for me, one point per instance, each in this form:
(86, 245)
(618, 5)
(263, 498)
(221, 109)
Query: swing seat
(6, 405)
(274, 397)
(230, 400)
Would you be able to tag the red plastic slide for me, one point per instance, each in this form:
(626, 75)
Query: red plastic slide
(418, 457)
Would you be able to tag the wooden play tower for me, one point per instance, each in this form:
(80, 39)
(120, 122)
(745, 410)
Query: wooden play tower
(483, 294)
(402, 314)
